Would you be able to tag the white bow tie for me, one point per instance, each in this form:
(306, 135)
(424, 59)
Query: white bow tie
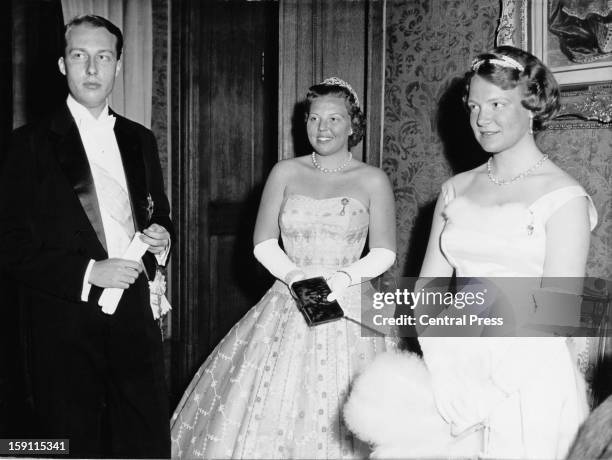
(103, 123)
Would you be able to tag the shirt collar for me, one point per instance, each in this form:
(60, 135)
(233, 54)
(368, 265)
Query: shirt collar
(82, 115)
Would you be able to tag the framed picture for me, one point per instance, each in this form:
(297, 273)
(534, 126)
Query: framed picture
(574, 39)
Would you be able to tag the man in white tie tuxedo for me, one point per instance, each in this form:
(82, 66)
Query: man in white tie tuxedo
(74, 190)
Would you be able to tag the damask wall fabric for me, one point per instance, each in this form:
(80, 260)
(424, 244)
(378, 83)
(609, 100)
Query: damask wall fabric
(586, 154)
(429, 46)
(427, 137)
(160, 84)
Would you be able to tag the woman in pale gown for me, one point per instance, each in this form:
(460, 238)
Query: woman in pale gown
(274, 387)
(518, 215)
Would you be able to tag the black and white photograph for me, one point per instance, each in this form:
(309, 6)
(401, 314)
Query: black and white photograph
(306, 229)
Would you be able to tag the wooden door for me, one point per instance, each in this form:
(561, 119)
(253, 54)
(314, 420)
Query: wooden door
(229, 138)
(238, 102)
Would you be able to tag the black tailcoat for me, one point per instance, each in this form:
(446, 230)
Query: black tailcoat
(96, 379)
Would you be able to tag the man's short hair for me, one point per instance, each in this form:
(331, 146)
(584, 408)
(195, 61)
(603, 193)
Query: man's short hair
(94, 21)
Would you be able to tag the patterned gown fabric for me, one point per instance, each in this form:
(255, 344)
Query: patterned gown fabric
(547, 397)
(273, 387)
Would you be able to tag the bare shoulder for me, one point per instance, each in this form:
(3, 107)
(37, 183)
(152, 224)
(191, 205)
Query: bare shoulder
(286, 169)
(555, 177)
(368, 171)
(371, 176)
(462, 181)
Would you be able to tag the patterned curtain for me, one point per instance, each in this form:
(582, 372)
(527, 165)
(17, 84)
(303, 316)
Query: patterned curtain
(132, 94)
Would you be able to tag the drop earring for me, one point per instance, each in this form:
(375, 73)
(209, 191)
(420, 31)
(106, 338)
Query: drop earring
(530, 123)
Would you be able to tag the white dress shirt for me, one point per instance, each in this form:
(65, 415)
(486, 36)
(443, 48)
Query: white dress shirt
(102, 151)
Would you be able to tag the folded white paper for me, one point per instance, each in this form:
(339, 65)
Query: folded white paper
(111, 296)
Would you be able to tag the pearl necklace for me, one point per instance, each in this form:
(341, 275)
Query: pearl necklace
(316, 164)
(525, 173)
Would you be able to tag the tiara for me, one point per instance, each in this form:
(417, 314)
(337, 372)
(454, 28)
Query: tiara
(500, 60)
(335, 81)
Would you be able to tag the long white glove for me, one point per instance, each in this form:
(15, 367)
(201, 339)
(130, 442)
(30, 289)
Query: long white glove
(270, 255)
(376, 262)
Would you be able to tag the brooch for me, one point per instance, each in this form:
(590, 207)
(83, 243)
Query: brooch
(530, 226)
(343, 202)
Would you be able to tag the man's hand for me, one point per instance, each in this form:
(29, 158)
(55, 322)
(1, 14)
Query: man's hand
(157, 237)
(114, 273)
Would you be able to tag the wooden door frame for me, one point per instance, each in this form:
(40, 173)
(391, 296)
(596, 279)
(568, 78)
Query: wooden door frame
(186, 280)
(375, 88)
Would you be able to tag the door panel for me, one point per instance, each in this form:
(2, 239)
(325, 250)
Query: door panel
(224, 142)
(232, 106)
(238, 103)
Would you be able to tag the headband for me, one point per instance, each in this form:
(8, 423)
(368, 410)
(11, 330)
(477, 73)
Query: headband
(500, 60)
(335, 81)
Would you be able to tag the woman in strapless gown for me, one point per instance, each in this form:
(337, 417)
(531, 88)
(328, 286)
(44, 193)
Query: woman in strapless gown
(274, 387)
(517, 216)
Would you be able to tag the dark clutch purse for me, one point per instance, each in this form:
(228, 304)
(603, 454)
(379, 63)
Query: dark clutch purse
(311, 295)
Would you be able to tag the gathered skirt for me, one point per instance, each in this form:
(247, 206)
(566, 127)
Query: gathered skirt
(275, 388)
